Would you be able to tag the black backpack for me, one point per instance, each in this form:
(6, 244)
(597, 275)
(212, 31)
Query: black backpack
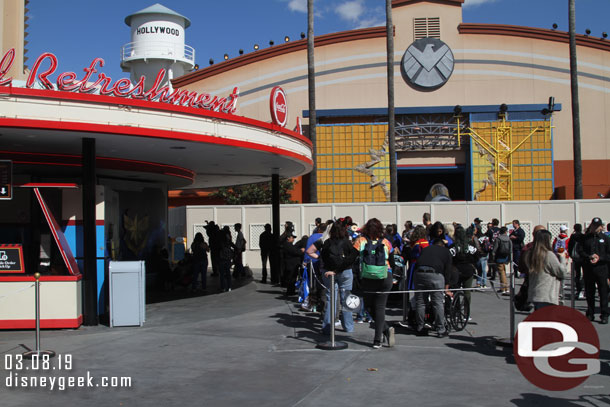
(503, 249)
(333, 255)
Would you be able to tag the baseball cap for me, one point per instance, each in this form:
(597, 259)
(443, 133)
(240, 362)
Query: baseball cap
(478, 220)
(596, 222)
(563, 228)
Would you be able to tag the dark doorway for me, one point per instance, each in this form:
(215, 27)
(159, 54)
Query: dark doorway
(414, 185)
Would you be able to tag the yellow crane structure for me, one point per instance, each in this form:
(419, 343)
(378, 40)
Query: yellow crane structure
(500, 145)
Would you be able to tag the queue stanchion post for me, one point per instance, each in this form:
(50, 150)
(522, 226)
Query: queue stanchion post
(572, 299)
(29, 354)
(332, 344)
(405, 296)
(508, 342)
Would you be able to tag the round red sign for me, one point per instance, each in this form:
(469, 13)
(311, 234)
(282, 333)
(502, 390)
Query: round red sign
(557, 348)
(279, 106)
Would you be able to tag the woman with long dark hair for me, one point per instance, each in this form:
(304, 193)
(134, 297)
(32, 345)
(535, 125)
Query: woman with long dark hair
(546, 271)
(465, 259)
(376, 277)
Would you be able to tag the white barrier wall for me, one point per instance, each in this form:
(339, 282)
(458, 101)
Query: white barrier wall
(551, 214)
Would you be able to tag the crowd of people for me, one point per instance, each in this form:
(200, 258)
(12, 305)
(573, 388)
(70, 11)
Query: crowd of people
(367, 262)
(437, 258)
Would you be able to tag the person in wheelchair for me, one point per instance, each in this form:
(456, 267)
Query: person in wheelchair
(433, 272)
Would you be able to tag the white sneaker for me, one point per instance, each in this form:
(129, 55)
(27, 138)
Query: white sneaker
(581, 296)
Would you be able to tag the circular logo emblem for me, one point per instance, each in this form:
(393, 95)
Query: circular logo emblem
(556, 348)
(427, 64)
(352, 302)
(279, 106)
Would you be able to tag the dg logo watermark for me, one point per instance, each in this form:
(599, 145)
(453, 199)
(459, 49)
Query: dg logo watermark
(557, 348)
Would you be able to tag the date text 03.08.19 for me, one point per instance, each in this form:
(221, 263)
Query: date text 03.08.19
(38, 362)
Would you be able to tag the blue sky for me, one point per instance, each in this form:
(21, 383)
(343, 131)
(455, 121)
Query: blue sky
(78, 31)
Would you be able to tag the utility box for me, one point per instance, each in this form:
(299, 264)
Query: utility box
(127, 293)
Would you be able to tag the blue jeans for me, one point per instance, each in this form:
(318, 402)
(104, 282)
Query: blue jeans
(343, 281)
(483, 270)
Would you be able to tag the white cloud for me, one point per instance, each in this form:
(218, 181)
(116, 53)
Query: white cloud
(468, 3)
(351, 10)
(298, 5)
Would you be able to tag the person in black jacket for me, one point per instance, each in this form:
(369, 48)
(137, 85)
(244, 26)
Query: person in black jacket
(433, 271)
(293, 258)
(517, 236)
(265, 243)
(576, 237)
(595, 254)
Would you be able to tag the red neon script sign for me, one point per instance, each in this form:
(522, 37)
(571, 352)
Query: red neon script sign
(68, 82)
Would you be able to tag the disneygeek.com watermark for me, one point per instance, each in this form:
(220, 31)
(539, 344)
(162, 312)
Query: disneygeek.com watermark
(42, 371)
(557, 348)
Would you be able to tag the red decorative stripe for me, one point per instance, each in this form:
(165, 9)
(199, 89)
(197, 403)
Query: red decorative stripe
(10, 246)
(46, 185)
(530, 32)
(277, 50)
(143, 104)
(106, 162)
(18, 279)
(44, 323)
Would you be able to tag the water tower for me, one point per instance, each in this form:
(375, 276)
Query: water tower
(157, 42)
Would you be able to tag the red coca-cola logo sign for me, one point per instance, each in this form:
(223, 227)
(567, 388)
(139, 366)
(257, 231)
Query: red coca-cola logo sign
(279, 106)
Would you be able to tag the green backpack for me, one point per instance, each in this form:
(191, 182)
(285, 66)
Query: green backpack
(373, 260)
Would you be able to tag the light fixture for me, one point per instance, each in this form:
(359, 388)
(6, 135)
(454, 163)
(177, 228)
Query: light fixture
(211, 61)
(604, 35)
(286, 38)
(177, 148)
(255, 47)
(196, 67)
(457, 110)
(302, 36)
(555, 26)
(503, 108)
(226, 56)
(587, 32)
(271, 43)
(241, 51)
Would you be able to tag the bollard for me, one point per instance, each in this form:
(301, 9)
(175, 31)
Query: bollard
(332, 345)
(29, 354)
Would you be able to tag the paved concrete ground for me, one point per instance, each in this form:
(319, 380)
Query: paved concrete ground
(254, 347)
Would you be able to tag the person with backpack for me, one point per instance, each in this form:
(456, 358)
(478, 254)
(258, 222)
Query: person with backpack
(376, 277)
(560, 243)
(337, 257)
(502, 250)
(573, 243)
(595, 252)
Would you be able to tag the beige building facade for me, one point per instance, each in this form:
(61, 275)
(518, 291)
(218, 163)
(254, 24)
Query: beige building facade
(481, 152)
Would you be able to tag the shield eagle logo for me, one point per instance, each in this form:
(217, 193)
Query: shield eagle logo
(427, 64)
